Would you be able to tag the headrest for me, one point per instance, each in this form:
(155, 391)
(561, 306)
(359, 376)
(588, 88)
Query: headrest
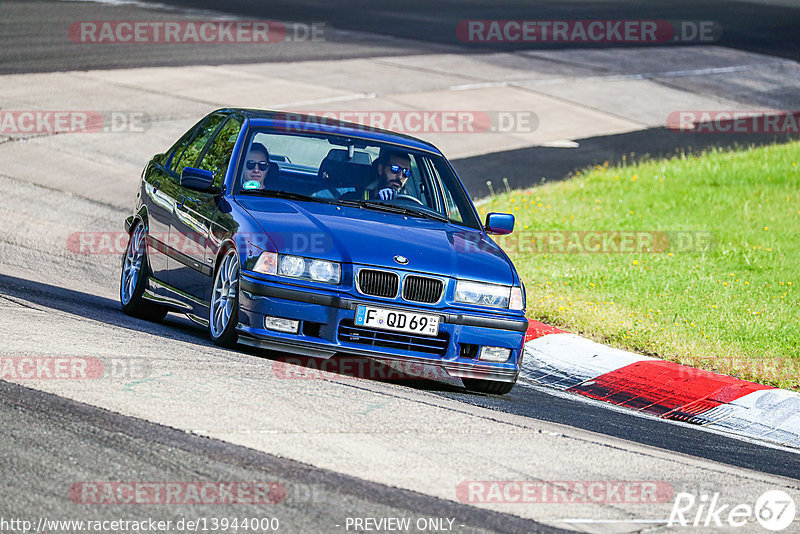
(337, 171)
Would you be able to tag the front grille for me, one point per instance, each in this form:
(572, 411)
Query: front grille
(422, 289)
(378, 283)
(350, 333)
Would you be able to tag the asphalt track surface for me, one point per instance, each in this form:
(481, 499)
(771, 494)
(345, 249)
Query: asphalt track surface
(57, 441)
(92, 444)
(534, 402)
(363, 29)
(765, 27)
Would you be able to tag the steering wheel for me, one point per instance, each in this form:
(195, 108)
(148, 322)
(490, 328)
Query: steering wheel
(409, 197)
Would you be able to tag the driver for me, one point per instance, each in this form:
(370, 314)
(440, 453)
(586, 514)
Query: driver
(256, 164)
(394, 169)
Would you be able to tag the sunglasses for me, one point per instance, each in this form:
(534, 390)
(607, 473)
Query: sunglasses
(398, 168)
(262, 165)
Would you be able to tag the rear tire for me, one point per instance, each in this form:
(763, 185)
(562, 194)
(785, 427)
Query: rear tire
(224, 306)
(134, 277)
(492, 387)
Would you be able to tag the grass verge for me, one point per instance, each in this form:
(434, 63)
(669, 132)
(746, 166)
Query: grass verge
(695, 259)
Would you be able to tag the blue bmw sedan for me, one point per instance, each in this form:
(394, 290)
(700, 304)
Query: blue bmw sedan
(279, 231)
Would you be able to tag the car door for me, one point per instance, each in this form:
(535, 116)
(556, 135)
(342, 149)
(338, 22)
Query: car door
(196, 212)
(183, 268)
(159, 188)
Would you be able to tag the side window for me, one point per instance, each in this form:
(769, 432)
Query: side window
(450, 205)
(174, 154)
(218, 154)
(452, 210)
(456, 201)
(195, 147)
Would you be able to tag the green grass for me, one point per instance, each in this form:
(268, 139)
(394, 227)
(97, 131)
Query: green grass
(717, 290)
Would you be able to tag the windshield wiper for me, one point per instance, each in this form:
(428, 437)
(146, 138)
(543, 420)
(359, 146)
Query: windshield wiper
(283, 194)
(393, 208)
(428, 214)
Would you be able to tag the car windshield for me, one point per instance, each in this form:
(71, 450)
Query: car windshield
(355, 172)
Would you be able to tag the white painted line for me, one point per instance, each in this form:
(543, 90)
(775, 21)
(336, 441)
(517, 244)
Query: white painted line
(641, 76)
(698, 72)
(607, 78)
(561, 143)
(482, 85)
(365, 35)
(616, 521)
(217, 15)
(318, 101)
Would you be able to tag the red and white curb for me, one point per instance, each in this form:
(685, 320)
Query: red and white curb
(571, 363)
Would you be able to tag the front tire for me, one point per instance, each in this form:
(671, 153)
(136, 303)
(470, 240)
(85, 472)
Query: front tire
(134, 277)
(224, 306)
(492, 387)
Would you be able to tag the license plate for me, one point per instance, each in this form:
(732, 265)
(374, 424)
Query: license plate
(397, 321)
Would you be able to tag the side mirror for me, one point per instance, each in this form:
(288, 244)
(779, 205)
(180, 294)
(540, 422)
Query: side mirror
(198, 180)
(499, 223)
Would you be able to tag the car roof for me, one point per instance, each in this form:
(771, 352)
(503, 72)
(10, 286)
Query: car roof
(299, 122)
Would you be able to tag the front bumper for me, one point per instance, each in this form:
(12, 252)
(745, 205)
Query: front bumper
(326, 329)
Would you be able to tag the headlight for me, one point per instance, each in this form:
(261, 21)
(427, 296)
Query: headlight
(328, 272)
(293, 266)
(496, 296)
(492, 295)
(324, 271)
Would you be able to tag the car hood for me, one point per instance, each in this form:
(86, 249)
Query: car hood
(369, 237)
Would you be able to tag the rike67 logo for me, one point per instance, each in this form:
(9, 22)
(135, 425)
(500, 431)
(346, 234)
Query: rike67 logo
(774, 510)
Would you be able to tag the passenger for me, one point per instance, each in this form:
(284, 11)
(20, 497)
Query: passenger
(256, 164)
(393, 168)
